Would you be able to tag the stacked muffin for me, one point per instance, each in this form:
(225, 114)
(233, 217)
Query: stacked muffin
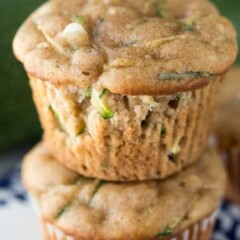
(125, 91)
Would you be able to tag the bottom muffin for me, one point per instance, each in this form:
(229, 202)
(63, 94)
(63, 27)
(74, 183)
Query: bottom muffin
(227, 130)
(73, 207)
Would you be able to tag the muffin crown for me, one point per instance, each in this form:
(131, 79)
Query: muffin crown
(95, 209)
(129, 47)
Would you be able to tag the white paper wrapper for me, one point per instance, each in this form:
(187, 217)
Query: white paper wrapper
(201, 230)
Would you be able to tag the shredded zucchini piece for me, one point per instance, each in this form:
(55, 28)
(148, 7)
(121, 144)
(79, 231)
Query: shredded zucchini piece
(104, 92)
(82, 179)
(99, 184)
(164, 132)
(64, 210)
(80, 19)
(98, 102)
(160, 11)
(80, 131)
(188, 26)
(170, 229)
(88, 92)
(131, 43)
(182, 76)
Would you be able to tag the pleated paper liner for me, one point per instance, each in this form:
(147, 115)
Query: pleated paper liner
(201, 230)
(162, 145)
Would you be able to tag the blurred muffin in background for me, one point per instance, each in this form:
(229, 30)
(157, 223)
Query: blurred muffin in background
(227, 130)
(125, 89)
(74, 207)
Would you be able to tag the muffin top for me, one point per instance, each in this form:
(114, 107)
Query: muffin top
(130, 47)
(227, 116)
(94, 209)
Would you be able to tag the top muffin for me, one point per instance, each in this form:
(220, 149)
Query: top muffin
(130, 47)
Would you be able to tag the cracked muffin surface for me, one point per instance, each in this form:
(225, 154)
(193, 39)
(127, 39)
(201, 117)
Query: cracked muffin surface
(95, 209)
(129, 47)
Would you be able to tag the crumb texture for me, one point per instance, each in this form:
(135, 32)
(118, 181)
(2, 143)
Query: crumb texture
(147, 137)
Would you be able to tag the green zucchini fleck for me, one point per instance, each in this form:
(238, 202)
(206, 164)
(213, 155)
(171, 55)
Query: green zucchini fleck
(88, 92)
(65, 144)
(55, 114)
(170, 229)
(178, 96)
(188, 26)
(164, 132)
(82, 179)
(132, 42)
(81, 128)
(182, 76)
(160, 10)
(72, 49)
(103, 93)
(80, 131)
(98, 102)
(166, 232)
(57, 118)
(80, 19)
(63, 210)
(98, 184)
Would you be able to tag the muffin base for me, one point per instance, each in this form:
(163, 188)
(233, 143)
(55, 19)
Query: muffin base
(119, 150)
(202, 230)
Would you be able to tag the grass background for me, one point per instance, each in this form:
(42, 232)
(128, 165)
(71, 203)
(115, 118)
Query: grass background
(19, 124)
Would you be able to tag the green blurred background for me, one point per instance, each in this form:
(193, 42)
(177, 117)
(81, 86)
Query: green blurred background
(19, 124)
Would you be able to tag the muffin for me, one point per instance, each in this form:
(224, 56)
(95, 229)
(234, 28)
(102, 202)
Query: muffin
(75, 207)
(227, 130)
(125, 89)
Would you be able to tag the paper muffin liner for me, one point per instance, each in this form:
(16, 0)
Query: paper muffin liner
(126, 147)
(232, 163)
(201, 230)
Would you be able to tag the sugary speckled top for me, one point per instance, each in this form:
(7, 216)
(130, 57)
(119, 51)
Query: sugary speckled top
(98, 210)
(129, 47)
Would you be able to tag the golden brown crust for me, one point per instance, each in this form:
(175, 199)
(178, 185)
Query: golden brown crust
(86, 209)
(125, 46)
(156, 138)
